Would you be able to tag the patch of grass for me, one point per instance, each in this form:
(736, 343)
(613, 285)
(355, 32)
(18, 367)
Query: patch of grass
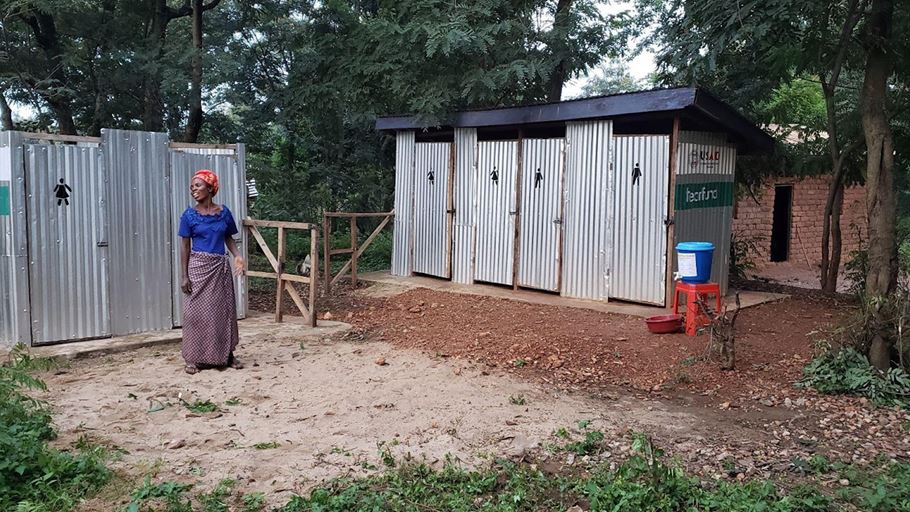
(591, 444)
(34, 477)
(846, 371)
(517, 400)
(271, 445)
(519, 363)
(583, 424)
(562, 433)
(201, 406)
(233, 401)
(254, 502)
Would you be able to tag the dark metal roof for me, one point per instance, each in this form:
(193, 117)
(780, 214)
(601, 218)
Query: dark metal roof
(694, 103)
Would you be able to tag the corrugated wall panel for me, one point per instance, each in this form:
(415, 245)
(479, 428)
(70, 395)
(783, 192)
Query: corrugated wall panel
(68, 242)
(15, 325)
(232, 194)
(495, 185)
(141, 230)
(588, 210)
(404, 202)
(541, 213)
(704, 198)
(641, 165)
(432, 240)
(465, 162)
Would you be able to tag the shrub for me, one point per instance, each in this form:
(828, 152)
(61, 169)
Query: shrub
(846, 371)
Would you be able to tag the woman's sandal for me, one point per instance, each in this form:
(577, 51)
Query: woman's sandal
(234, 363)
(191, 369)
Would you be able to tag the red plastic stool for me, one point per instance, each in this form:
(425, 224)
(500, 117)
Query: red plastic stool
(694, 292)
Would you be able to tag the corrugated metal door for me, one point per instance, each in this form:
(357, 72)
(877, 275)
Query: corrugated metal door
(432, 208)
(641, 165)
(68, 243)
(232, 193)
(404, 203)
(495, 184)
(541, 215)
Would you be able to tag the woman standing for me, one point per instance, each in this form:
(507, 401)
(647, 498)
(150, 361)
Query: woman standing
(209, 307)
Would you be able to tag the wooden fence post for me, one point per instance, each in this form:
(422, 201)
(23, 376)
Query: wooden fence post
(354, 252)
(314, 282)
(327, 249)
(280, 270)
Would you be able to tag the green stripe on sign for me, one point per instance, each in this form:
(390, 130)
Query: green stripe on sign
(4, 199)
(714, 194)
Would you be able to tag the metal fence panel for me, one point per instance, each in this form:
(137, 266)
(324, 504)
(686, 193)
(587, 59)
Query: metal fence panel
(704, 198)
(432, 240)
(641, 165)
(68, 243)
(141, 230)
(233, 195)
(15, 322)
(588, 210)
(495, 184)
(541, 213)
(465, 163)
(404, 203)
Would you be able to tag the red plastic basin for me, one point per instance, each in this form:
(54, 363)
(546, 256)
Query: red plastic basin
(664, 324)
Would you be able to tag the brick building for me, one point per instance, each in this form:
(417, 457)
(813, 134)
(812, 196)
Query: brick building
(786, 223)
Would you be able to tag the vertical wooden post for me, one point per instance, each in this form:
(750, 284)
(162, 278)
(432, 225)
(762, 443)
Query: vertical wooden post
(519, 172)
(279, 293)
(314, 264)
(354, 237)
(327, 248)
(671, 213)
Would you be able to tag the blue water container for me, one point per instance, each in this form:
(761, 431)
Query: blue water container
(694, 261)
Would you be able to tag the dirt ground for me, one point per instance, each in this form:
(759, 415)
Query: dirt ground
(433, 375)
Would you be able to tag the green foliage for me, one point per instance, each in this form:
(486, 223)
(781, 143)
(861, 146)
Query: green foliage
(34, 476)
(743, 251)
(846, 371)
(518, 400)
(591, 444)
(201, 406)
(271, 445)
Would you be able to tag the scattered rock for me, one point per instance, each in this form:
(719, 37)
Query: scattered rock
(381, 361)
(176, 444)
(327, 316)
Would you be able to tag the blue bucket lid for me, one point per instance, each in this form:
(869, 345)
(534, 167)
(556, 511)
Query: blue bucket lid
(694, 246)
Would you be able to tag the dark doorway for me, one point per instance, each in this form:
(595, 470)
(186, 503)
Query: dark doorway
(780, 229)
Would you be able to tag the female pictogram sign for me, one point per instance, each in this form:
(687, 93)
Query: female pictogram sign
(62, 192)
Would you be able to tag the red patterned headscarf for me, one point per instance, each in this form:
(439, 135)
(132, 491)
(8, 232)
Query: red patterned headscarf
(209, 177)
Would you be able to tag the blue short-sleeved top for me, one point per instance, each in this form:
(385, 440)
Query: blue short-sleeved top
(208, 232)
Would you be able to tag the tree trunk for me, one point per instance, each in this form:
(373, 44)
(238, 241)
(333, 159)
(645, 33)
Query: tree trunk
(6, 113)
(194, 123)
(47, 37)
(153, 107)
(560, 50)
(836, 240)
(881, 279)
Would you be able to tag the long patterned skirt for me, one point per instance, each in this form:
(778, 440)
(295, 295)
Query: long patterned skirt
(209, 312)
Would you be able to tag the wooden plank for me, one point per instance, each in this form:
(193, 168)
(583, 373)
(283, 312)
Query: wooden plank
(281, 282)
(516, 248)
(278, 224)
(314, 264)
(450, 212)
(61, 138)
(190, 145)
(671, 213)
(265, 247)
(373, 236)
(354, 236)
(335, 252)
(295, 296)
(347, 215)
(272, 275)
(327, 248)
(361, 249)
(265, 275)
(343, 271)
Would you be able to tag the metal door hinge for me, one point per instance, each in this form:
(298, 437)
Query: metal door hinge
(102, 244)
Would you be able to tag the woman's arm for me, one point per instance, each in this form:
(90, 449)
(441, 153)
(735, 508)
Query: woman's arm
(186, 285)
(238, 258)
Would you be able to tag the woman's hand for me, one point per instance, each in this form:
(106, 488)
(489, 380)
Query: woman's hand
(186, 286)
(239, 266)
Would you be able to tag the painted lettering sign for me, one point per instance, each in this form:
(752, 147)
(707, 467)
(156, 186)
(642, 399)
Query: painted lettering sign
(715, 194)
(4, 199)
(704, 159)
